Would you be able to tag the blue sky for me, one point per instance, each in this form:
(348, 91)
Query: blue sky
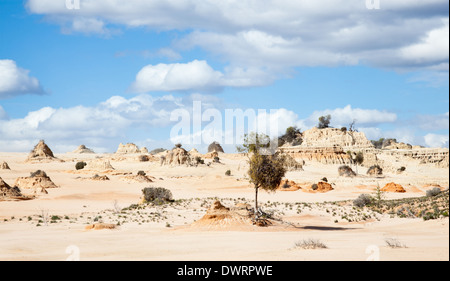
(114, 71)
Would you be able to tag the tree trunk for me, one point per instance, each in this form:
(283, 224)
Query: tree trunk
(256, 202)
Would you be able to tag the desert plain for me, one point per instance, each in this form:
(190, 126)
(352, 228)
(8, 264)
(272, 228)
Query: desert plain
(60, 223)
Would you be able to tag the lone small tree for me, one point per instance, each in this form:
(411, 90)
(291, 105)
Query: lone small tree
(358, 158)
(253, 143)
(324, 122)
(266, 170)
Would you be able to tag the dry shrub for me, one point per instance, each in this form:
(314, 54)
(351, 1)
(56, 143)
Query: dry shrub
(157, 195)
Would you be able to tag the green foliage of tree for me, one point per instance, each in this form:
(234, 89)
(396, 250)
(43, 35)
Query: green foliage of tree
(253, 142)
(265, 170)
(324, 122)
(378, 143)
(292, 135)
(359, 158)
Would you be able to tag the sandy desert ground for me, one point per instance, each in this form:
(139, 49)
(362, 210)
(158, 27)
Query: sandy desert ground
(53, 226)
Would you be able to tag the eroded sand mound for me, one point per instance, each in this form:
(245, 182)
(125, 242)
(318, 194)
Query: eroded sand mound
(287, 185)
(393, 187)
(137, 178)
(7, 191)
(321, 187)
(39, 181)
(219, 216)
(41, 152)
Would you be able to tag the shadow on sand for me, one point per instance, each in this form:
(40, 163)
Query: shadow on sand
(326, 228)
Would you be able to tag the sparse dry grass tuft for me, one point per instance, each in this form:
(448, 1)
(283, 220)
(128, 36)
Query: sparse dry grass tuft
(310, 243)
(394, 243)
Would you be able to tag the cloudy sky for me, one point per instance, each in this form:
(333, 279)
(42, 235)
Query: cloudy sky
(102, 72)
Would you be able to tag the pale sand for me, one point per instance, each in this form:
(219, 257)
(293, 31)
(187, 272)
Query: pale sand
(76, 197)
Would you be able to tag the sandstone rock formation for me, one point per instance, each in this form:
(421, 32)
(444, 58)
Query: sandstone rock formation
(41, 152)
(83, 149)
(331, 137)
(38, 181)
(330, 146)
(194, 153)
(444, 163)
(137, 178)
(324, 155)
(322, 187)
(8, 192)
(177, 156)
(130, 148)
(398, 145)
(99, 164)
(211, 155)
(4, 166)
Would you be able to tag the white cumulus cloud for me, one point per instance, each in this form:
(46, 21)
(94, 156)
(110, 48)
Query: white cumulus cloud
(436, 140)
(103, 125)
(15, 80)
(345, 116)
(196, 75)
(278, 35)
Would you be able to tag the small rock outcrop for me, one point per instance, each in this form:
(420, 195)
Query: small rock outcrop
(82, 149)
